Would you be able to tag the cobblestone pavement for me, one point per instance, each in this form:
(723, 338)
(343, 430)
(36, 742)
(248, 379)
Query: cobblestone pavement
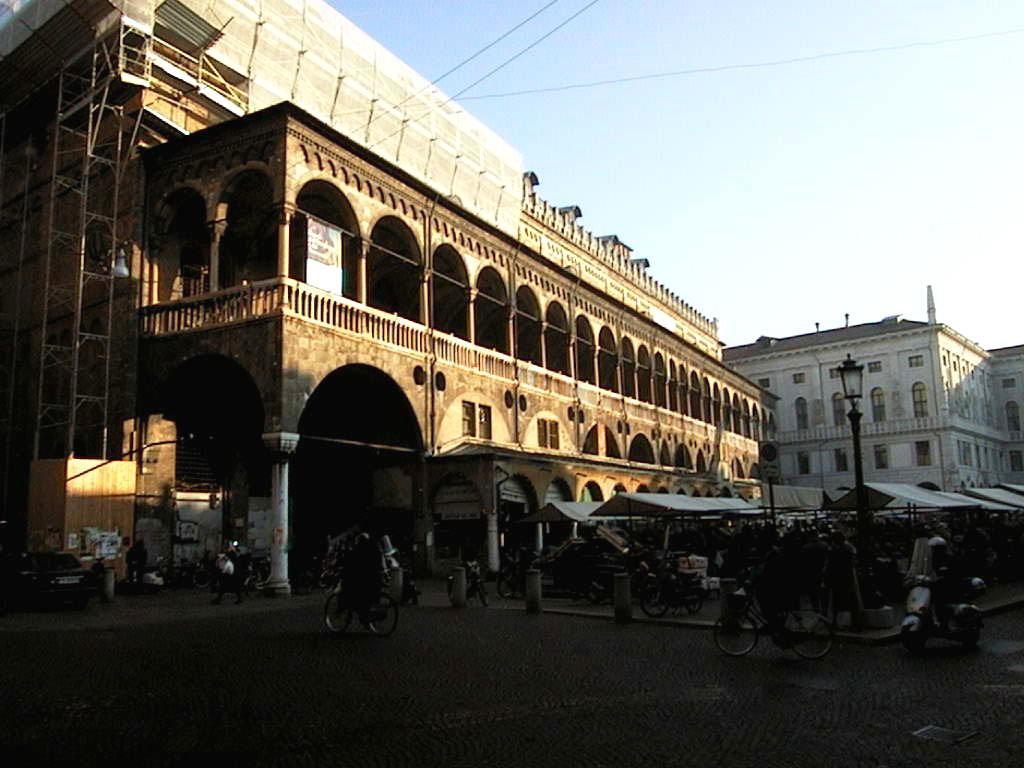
(171, 680)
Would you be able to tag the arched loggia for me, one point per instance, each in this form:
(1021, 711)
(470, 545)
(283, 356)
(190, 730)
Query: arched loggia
(584, 350)
(556, 339)
(394, 269)
(528, 327)
(248, 247)
(607, 361)
(324, 216)
(449, 289)
(490, 311)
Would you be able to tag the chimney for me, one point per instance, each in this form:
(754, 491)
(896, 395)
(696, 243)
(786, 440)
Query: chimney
(817, 327)
(847, 320)
(931, 307)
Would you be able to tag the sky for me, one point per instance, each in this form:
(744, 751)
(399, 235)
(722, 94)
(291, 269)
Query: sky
(774, 197)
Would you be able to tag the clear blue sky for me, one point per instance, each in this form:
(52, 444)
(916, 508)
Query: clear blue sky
(770, 198)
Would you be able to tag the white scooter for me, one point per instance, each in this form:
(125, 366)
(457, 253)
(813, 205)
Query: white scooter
(960, 622)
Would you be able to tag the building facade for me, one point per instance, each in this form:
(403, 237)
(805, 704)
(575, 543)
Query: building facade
(937, 408)
(292, 326)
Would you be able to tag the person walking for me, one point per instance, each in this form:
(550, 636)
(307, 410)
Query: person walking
(228, 575)
(137, 558)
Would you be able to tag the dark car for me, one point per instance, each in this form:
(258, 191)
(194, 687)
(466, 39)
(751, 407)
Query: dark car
(46, 578)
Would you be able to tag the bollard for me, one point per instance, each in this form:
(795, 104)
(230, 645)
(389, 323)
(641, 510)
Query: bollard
(397, 584)
(458, 591)
(107, 591)
(533, 604)
(725, 588)
(623, 599)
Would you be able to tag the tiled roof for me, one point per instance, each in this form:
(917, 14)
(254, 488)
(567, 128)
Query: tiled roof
(767, 344)
(1007, 351)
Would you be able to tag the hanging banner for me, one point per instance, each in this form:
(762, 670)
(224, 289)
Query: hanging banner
(323, 255)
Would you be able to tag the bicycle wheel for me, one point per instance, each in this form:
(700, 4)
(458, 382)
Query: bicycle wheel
(653, 604)
(736, 634)
(337, 618)
(810, 634)
(383, 616)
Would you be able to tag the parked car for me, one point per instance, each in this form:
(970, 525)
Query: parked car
(46, 578)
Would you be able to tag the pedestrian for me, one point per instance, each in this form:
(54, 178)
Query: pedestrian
(840, 576)
(228, 575)
(137, 557)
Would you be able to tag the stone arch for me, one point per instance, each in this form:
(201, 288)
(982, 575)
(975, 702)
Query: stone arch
(696, 411)
(183, 239)
(716, 405)
(248, 247)
(611, 445)
(556, 339)
(529, 327)
(665, 455)
(640, 450)
(643, 374)
(628, 358)
(584, 350)
(673, 386)
(660, 380)
(323, 210)
(590, 442)
(394, 269)
(607, 361)
(701, 465)
(591, 492)
(449, 292)
(682, 457)
(490, 311)
(737, 469)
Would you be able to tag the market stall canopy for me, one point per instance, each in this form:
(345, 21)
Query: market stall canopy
(901, 495)
(971, 502)
(672, 505)
(794, 498)
(560, 511)
(998, 495)
(1014, 488)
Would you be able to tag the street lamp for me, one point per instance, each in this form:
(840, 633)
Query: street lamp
(852, 376)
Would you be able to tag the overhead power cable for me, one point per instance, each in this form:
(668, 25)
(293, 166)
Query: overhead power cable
(496, 69)
(751, 65)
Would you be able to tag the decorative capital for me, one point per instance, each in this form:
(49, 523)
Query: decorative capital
(282, 444)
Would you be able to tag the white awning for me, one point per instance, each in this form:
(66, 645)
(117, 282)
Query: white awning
(900, 495)
(557, 511)
(998, 495)
(793, 497)
(672, 505)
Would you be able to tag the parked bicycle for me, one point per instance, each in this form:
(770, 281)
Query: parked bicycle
(257, 574)
(672, 590)
(475, 589)
(380, 618)
(736, 633)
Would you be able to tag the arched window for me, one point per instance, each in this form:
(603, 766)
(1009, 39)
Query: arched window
(684, 391)
(665, 455)
(695, 409)
(737, 469)
(619, 488)
(528, 327)
(590, 442)
(394, 269)
(706, 400)
(702, 465)
(584, 350)
(490, 311)
(800, 407)
(449, 289)
(611, 445)
(877, 404)
(628, 368)
(726, 410)
(683, 460)
(737, 415)
(643, 374)
(659, 380)
(746, 419)
(838, 409)
(556, 339)
(591, 492)
(716, 406)
(755, 423)
(248, 247)
(1012, 417)
(320, 204)
(640, 450)
(607, 361)
(673, 386)
(185, 246)
(919, 393)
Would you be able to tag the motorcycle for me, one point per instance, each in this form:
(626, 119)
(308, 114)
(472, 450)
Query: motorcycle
(960, 621)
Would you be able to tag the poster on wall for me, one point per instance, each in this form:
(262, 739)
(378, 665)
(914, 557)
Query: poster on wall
(323, 256)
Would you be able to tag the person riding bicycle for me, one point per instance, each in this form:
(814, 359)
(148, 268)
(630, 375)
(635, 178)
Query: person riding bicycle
(772, 588)
(361, 576)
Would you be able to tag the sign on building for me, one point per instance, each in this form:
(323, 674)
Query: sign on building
(323, 256)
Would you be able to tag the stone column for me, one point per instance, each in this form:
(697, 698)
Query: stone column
(472, 316)
(283, 246)
(281, 446)
(217, 229)
(493, 551)
(361, 287)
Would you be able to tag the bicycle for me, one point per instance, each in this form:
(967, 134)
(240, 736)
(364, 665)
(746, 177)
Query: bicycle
(736, 633)
(474, 583)
(381, 617)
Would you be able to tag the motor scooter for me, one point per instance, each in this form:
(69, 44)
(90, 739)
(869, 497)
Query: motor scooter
(957, 621)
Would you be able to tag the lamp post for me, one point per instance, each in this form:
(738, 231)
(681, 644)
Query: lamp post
(852, 377)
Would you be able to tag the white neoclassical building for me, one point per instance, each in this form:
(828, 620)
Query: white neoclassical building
(938, 408)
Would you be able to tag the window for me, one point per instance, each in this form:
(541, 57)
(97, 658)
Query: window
(547, 433)
(833, 373)
(1017, 461)
(881, 457)
(468, 419)
(923, 451)
(840, 459)
(798, 378)
(801, 413)
(766, 383)
(920, 396)
(877, 404)
(484, 417)
(838, 410)
(915, 361)
(803, 463)
(875, 366)
(1009, 383)
(965, 453)
(1013, 416)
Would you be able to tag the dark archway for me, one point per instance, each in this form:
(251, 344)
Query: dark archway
(695, 407)
(643, 374)
(611, 445)
(322, 208)
(584, 351)
(592, 492)
(449, 289)
(529, 327)
(628, 358)
(248, 247)
(556, 339)
(490, 311)
(607, 361)
(183, 246)
(590, 445)
(682, 458)
(640, 450)
(665, 455)
(357, 461)
(702, 465)
(394, 269)
(659, 380)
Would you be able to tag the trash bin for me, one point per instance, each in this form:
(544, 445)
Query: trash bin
(107, 585)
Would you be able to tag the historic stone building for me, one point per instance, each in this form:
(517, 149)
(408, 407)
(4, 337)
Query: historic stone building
(292, 322)
(938, 408)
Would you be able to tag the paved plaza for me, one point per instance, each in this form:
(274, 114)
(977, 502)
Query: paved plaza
(171, 680)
